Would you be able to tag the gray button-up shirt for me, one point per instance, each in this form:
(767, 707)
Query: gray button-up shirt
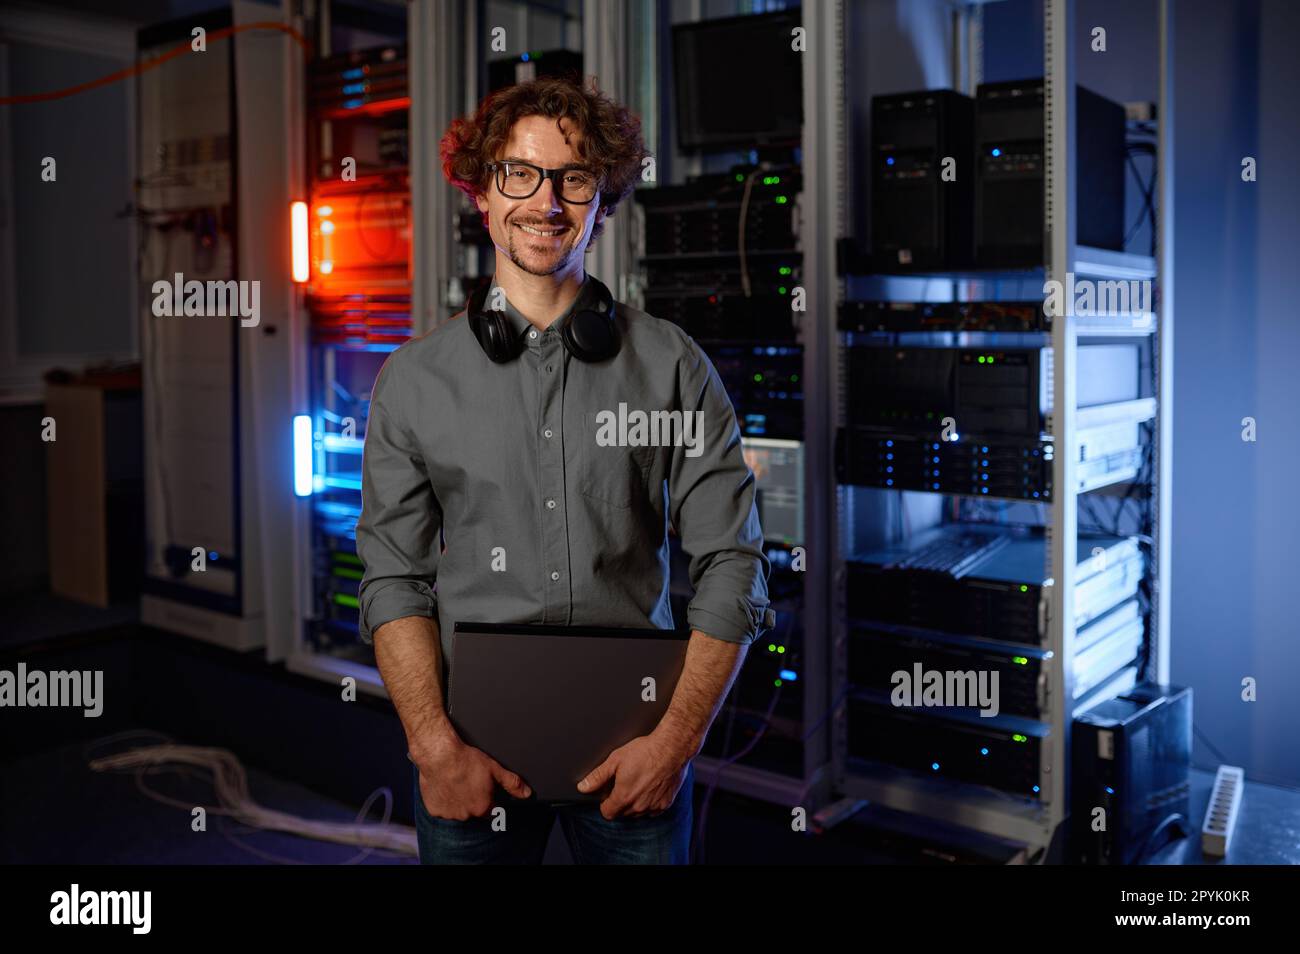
(527, 492)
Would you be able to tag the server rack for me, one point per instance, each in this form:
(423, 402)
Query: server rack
(1035, 822)
(357, 307)
(216, 395)
(771, 739)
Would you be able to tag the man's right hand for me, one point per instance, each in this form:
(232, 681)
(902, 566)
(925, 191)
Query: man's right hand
(457, 780)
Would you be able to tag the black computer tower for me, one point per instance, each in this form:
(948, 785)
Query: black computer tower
(1131, 757)
(1009, 161)
(530, 66)
(919, 221)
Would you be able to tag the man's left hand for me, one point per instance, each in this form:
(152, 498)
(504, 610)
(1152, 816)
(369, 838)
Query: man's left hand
(646, 775)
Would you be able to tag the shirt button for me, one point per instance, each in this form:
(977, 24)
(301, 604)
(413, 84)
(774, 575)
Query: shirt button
(548, 432)
(533, 333)
(550, 505)
(555, 575)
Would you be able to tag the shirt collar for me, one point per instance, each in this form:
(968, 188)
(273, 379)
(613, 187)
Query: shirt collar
(519, 324)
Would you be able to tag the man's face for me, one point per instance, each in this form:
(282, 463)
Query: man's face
(514, 223)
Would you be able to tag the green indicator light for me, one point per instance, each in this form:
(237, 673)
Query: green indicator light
(781, 200)
(785, 270)
(777, 683)
(776, 180)
(1020, 660)
(758, 377)
(740, 177)
(990, 359)
(981, 359)
(794, 377)
(781, 289)
(347, 574)
(1019, 738)
(1024, 588)
(780, 649)
(771, 647)
(344, 600)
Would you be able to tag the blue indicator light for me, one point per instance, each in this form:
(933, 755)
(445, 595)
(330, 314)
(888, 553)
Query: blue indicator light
(352, 74)
(997, 152)
(984, 450)
(889, 483)
(789, 675)
(936, 486)
(936, 460)
(984, 490)
(524, 57)
(935, 766)
(1036, 788)
(1109, 790)
(214, 556)
(984, 751)
(889, 456)
(302, 455)
(889, 161)
(984, 476)
(889, 443)
(354, 88)
(889, 470)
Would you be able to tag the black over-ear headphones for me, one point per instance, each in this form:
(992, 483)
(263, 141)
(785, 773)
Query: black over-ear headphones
(589, 334)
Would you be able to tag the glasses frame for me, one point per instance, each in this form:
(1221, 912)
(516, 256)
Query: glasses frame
(498, 169)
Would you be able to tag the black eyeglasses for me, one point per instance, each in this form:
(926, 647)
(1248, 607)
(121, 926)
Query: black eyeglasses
(521, 180)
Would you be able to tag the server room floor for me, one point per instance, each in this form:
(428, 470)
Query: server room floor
(55, 809)
(58, 811)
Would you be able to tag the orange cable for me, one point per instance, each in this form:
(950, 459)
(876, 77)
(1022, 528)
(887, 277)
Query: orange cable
(142, 67)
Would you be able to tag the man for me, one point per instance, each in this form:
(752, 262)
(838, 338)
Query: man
(483, 472)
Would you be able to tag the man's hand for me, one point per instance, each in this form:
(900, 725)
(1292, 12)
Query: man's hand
(457, 780)
(646, 775)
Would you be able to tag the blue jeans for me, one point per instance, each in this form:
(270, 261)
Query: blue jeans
(657, 840)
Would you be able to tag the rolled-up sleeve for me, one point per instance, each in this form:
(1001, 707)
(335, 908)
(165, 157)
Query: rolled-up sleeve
(712, 505)
(398, 533)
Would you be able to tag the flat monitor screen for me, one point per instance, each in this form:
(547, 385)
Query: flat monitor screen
(778, 472)
(739, 83)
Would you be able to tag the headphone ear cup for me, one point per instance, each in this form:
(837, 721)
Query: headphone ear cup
(496, 338)
(591, 336)
(490, 328)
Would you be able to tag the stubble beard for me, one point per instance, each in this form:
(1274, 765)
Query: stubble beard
(518, 254)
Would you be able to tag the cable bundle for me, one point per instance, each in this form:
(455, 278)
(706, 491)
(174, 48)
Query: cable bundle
(233, 797)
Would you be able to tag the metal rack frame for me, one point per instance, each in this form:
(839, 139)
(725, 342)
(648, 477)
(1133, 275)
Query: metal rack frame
(820, 218)
(1038, 826)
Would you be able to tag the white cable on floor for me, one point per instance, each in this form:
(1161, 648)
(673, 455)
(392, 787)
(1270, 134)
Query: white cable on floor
(231, 784)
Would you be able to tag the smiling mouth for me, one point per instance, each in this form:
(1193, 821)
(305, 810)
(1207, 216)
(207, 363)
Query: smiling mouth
(543, 232)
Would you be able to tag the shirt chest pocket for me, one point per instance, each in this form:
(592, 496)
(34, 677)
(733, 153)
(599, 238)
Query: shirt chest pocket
(614, 474)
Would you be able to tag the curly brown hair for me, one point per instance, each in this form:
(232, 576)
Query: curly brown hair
(610, 141)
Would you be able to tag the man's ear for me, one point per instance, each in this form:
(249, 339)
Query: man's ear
(482, 203)
(601, 214)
